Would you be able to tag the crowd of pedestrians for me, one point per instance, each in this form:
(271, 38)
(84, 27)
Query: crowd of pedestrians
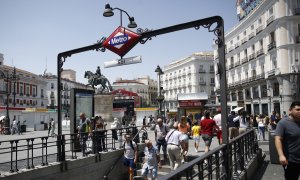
(172, 137)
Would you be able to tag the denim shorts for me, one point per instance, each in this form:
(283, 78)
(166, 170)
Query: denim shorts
(145, 171)
(128, 162)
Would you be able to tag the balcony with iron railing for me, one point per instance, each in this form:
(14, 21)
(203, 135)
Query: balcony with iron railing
(231, 48)
(260, 76)
(244, 60)
(202, 82)
(237, 63)
(246, 80)
(202, 71)
(270, 20)
(252, 78)
(251, 56)
(259, 29)
(244, 40)
(271, 72)
(251, 35)
(271, 45)
(237, 45)
(259, 52)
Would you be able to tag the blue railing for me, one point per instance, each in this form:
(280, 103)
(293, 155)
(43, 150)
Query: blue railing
(223, 162)
(41, 151)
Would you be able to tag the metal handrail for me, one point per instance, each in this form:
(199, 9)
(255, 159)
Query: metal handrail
(241, 152)
(31, 152)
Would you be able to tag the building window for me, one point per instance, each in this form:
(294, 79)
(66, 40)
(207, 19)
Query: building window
(252, 27)
(212, 80)
(261, 43)
(271, 11)
(52, 85)
(255, 92)
(248, 94)
(27, 90)
(259, 21)
(33, 91)
(276, 89)
(21, 90)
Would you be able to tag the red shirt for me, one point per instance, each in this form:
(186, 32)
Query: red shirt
(207, 126)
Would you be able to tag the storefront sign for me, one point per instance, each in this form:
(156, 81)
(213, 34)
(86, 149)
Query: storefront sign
(190, 103)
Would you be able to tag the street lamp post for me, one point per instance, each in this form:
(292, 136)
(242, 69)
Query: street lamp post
(9, 78)
(160, 97)
(108, 12)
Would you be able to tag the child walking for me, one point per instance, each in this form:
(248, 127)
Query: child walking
(196, 135)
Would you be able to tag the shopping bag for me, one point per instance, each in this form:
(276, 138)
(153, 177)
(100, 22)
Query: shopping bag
(89, 145)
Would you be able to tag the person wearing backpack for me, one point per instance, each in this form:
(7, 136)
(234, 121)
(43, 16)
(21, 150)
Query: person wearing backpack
(84, 131)
(130, 154)
(232, 124)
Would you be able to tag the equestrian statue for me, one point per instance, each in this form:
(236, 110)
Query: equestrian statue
(98, 79)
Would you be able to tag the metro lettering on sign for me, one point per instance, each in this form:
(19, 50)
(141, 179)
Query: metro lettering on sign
(119, 40)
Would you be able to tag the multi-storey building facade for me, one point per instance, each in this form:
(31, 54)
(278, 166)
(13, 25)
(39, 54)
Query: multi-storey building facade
(26, 92)
(134, 86)
(192, 74)
(152, 89)
(66, 86)
(262, 56)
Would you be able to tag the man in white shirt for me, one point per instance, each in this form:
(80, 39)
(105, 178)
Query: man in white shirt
(173, 147)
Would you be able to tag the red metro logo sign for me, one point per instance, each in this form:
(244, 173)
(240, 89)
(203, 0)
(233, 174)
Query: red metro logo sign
(121, 41)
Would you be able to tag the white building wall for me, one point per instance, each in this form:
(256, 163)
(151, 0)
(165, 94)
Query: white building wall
(263, 50)
(188, 75)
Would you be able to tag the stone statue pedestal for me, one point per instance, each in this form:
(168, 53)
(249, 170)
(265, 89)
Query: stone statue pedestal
(103, 106)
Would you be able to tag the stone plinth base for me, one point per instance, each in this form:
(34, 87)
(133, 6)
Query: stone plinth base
(103, 106)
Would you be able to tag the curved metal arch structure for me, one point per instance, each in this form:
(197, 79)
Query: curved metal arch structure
(217, 29)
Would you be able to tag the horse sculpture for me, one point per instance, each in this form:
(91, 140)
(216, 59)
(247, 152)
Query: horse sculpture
(94, 80)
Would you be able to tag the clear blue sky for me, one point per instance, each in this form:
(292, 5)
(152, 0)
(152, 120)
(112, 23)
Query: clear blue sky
(33, 32)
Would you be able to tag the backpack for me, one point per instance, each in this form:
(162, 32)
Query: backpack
(237, 123)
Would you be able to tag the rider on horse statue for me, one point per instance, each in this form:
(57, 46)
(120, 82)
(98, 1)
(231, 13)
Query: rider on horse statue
(98, 72)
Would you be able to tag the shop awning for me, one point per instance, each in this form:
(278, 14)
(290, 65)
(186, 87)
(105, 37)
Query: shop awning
(237, 109)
